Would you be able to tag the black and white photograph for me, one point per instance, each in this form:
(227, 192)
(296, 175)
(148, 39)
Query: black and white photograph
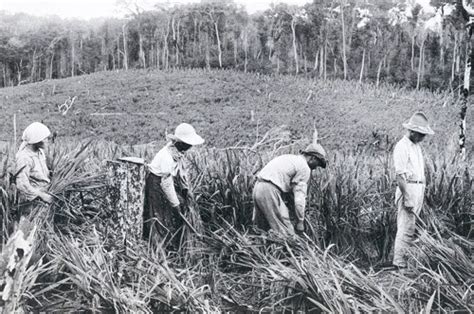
(236, 156)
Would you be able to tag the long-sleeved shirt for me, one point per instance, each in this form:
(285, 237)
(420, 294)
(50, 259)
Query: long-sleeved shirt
(289, 173)
(33, 173)
(409, 162)
(169, 164)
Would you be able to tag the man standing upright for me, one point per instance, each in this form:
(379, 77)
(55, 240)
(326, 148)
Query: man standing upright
(410, 177)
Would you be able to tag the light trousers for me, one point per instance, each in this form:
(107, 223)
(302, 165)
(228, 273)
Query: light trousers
(269, 203)
(406, 221)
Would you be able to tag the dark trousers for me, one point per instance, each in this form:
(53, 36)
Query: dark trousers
(162, 222)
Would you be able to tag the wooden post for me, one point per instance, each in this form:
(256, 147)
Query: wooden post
(467, 77)
(125, 197)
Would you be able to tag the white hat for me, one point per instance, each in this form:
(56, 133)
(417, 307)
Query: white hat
(419, 123)
(185, 133)
(35, 133)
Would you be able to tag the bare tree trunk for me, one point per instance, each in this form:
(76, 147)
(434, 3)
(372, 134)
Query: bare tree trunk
(175, 32)
(453, 63)
(125, 49)
(420, 64)
(344, 59)
(295, 52)
(19, 67)
(103, 53)
(195, 33)
(33, 67)
(165, 47)
(305, 63)
(379, 70)
(369, 61)
(79, 60)
(73, 56)
(51, 66)
(157, 55)
(362, 67)
(246, 48)
(316, 60)
(325, 60)
(118, 52)
(218, 43)
(4, 75)
(412, 60)
(141, 52)
(321, 61)
(208, 57)
(441, 49)
(235, 48)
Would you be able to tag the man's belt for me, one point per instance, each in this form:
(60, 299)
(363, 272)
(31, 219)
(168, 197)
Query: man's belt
(268, 181)
(415, 182)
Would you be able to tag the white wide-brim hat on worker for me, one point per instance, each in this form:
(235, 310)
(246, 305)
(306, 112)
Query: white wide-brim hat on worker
(35, 133)
(419, 123)
(187, 134)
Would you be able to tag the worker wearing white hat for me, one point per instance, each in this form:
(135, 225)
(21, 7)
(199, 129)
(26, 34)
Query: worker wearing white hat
(285, 174)
(167, 185)
(32, 173)
(410, 175)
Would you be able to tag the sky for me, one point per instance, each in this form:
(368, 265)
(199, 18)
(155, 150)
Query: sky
(103, 8)
(87, 9)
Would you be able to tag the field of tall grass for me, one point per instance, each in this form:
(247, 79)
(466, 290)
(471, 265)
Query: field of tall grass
(224, 263)
(227, 265)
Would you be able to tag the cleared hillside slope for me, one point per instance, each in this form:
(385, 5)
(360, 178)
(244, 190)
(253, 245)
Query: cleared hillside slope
(138, 106)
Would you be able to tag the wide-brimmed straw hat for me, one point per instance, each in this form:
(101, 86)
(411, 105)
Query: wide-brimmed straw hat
(419, 123)
(187, 134)
(35, 133)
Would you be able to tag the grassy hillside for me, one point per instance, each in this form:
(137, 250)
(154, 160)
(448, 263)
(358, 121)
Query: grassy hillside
(223, 264)
(139, 106)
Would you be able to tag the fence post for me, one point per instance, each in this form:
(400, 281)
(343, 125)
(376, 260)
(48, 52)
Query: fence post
(125, 197)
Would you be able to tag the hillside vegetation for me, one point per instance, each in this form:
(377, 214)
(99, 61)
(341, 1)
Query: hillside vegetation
(229, 108)
(223, 263)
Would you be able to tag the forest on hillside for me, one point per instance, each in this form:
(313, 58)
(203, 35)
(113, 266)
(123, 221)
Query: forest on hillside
(367, 40)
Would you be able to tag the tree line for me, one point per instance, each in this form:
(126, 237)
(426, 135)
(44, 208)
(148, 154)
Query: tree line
(366, 40)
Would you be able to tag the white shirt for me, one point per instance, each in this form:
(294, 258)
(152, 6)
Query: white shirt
(168, 164)
(409, 163)
(289, 173)
(408, 160)
(33, 173)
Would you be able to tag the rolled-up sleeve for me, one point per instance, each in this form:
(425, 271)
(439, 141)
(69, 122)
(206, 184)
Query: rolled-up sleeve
(167, 185)
(300, 190)
(23, 184)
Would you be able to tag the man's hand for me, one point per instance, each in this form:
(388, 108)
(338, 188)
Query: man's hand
(47, 198)
(300, 228)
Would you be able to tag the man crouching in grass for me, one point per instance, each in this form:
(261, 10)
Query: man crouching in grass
(285, 174)
(167, 188)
